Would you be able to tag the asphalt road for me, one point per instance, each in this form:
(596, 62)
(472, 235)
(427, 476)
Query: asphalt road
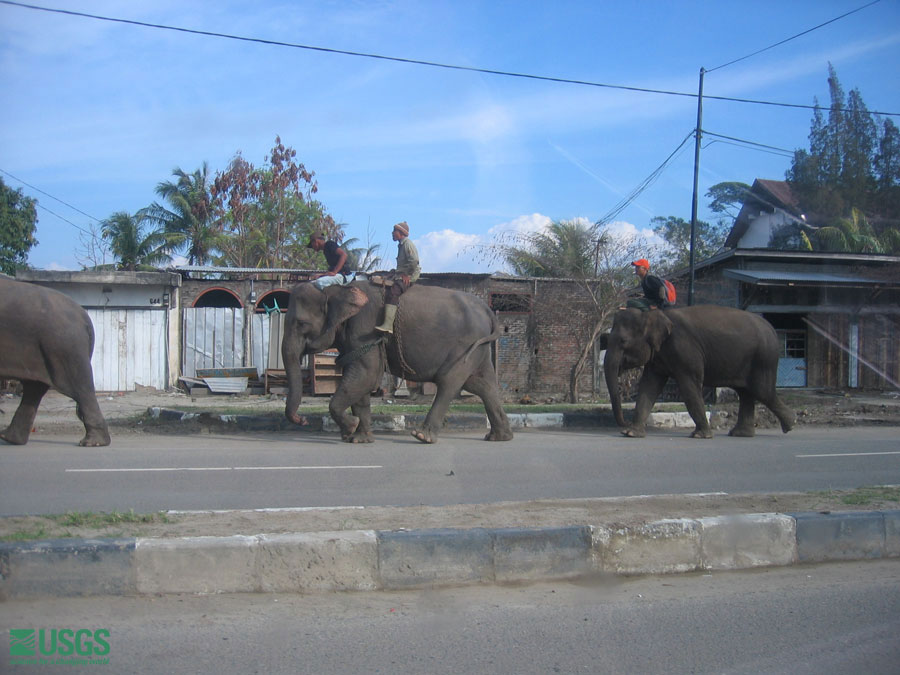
(831, 618)
(147, 472)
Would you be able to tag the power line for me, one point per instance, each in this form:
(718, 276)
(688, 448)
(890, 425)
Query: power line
(793, 37)
(418, 62)
(790, 153)
(51, 197)
(643, 185)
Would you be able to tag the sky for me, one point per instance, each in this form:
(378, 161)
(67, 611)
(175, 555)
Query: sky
(95, 114)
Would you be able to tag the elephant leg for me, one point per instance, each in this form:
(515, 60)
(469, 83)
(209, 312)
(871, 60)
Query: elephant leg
(484, 385)
(448, 388)
(649, 389)
(96, 433)
(784, 414)
(337, 408)
(746, 421)
(692, 393)
(362, 410)
(19, 429)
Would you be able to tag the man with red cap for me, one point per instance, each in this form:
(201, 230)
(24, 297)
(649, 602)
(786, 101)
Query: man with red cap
(404, 276)
(655, 293)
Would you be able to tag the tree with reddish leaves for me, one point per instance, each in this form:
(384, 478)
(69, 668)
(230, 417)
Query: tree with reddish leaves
(267, 213)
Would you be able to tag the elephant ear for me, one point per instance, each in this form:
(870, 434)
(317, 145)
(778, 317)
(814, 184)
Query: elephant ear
(341, 304)
(657, 328)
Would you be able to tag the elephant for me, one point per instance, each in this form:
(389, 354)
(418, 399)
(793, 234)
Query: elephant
(46, 340)
(701, 345)
(440, 335)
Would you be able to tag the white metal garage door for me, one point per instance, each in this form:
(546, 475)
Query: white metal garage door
(129, 348)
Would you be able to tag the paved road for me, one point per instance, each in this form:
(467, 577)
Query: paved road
(834, 618)
(152, 472)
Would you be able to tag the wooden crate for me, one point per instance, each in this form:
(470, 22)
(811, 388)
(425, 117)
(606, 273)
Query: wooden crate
(326, 374)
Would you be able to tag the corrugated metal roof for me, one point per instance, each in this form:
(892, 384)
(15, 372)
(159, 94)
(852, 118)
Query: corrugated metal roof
(783, 277)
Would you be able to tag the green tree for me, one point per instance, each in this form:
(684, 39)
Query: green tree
(268, 213)
(676, 232)
(565, 249)
(189, 222)
(852, 162)
(18, 223)
(727, 199)
(132, 245)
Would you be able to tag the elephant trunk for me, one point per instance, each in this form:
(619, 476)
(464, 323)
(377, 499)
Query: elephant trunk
(611, 365)
(292, 348)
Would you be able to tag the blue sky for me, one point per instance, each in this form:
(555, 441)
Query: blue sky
(97, 113)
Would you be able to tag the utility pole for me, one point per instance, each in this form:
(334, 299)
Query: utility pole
(697, 135)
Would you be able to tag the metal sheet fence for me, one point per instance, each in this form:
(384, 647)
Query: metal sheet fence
(130, 348)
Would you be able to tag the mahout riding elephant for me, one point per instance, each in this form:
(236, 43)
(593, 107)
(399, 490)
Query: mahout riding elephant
(699, 346)
(46, 340)
(440, 335)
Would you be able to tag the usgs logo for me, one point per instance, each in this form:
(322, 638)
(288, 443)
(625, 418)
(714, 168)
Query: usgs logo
(59, 642)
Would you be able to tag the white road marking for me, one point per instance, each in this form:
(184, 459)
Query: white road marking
(282, 509)
(221, 468)
(850, 454)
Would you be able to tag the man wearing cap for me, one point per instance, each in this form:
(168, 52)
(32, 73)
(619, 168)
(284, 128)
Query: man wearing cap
(404, 276)
(339, 270)
(654, 289)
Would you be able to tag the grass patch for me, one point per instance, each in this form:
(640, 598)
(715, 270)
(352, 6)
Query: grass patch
(867, 495)
(27, 534)
(101, 519)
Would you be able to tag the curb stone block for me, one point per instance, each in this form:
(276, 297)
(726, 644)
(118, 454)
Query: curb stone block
(661, 547)
(426, 558)
(317, 561)
(66, 567)
(892, 534)
(747, 540)
(847, 535)
(543, 420)
(548, 553)
(196, 565)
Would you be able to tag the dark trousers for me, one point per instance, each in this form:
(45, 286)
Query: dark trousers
(401, 284)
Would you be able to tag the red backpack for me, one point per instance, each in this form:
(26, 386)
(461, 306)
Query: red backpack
(670, 291)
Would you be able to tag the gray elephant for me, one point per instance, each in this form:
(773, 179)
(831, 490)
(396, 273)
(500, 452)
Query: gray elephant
(699, 346)
(440, 335)
(46, 339)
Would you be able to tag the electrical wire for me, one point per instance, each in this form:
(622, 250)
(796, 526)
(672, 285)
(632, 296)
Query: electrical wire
(794, 37)
(51, 197)
(418, 62)
(644, 184)
(789, 153)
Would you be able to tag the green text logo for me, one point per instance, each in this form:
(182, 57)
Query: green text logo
(59, 642)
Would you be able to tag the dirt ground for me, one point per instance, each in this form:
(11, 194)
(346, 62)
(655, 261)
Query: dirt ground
(612, 512)
(812, 408)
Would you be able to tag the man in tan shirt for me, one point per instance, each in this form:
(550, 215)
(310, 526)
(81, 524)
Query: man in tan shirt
(404, 276)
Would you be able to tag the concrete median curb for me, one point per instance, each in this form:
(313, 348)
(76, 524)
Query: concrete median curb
(403, 421)
(408, 559)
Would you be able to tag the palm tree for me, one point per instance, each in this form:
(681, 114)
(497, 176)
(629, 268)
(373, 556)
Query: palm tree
(564, 249)
(134, 247)
(850, 235)
(189, 223)
(366, 259)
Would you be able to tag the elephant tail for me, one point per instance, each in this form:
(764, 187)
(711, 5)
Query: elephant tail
(493, 337)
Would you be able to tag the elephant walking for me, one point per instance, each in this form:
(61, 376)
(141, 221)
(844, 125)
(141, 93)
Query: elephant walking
(440, 335)
(699, 346)
(46, 339)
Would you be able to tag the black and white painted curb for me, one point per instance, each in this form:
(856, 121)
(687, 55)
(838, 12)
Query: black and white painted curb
(402, 421)
(365, 560)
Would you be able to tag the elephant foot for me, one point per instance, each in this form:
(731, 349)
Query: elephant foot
(743, 432)
(360, 438)
(701, 433)
(631, 432)
(504, 435)
(299, 420)
(786, 426)
(12, 438)
(95, 440)
(423, 436)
